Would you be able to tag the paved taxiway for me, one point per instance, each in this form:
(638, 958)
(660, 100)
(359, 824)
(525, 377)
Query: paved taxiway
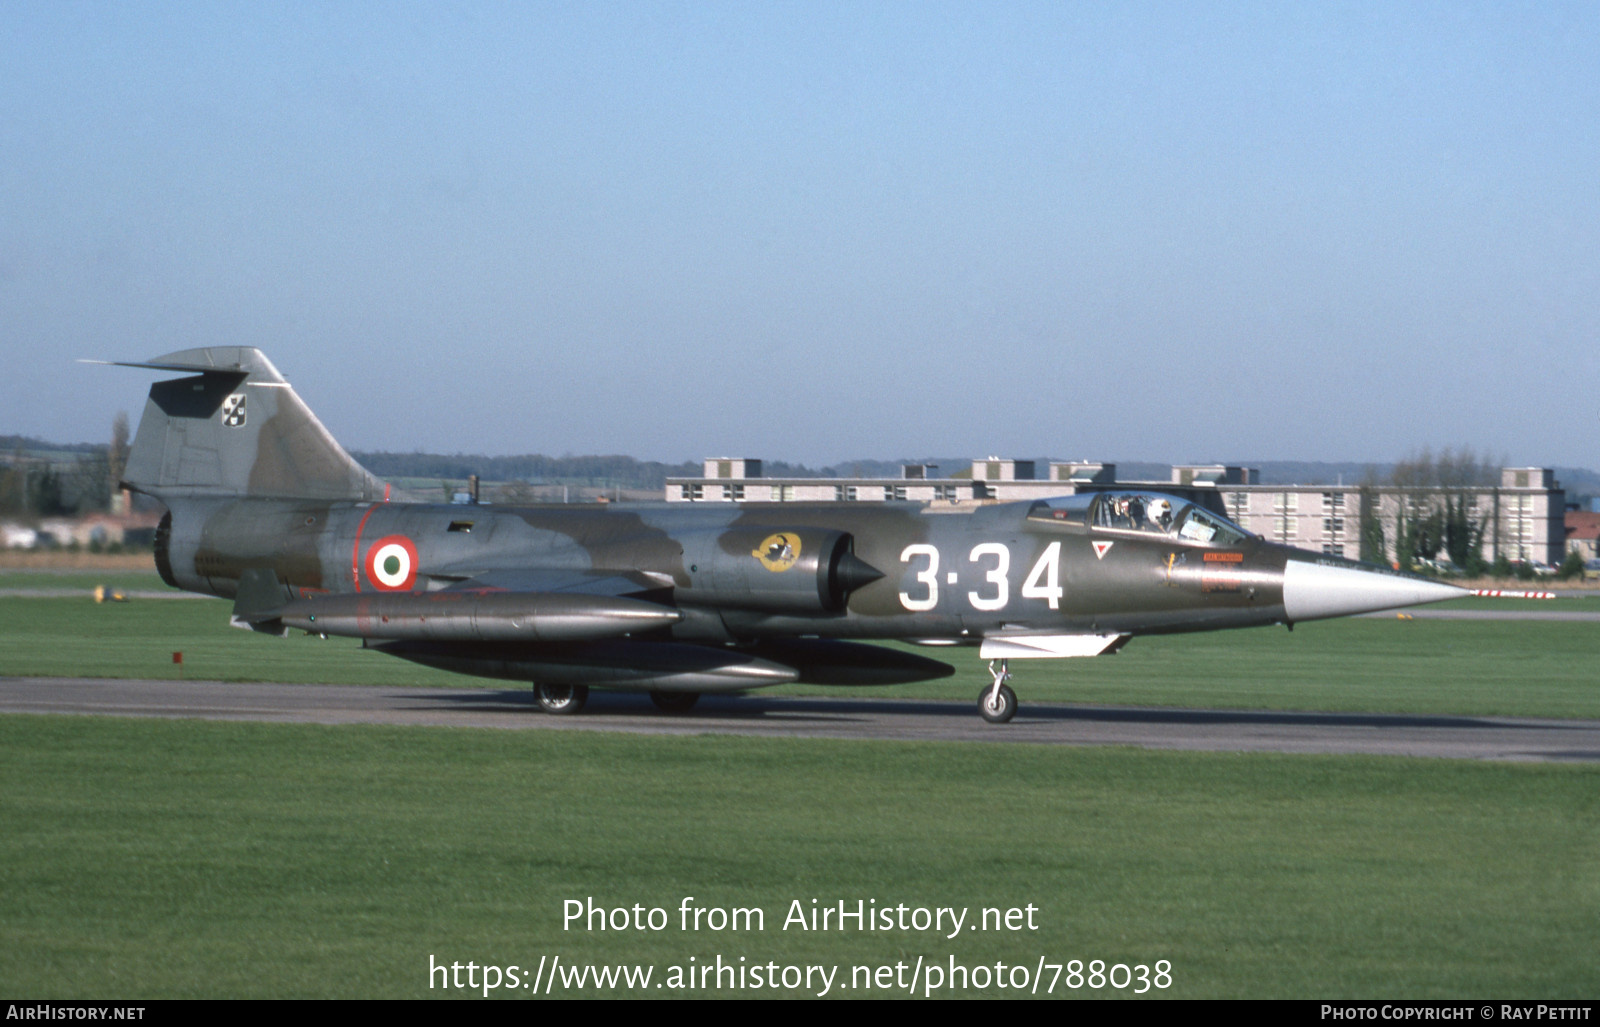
(1459, 737)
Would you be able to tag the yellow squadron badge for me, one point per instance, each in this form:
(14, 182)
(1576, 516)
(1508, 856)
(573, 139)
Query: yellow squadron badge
(778, 553)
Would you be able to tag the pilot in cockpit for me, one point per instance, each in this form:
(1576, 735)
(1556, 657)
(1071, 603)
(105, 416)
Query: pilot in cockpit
(1161, 514)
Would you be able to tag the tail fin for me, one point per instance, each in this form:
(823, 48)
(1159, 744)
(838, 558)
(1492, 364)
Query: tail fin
(237, 429)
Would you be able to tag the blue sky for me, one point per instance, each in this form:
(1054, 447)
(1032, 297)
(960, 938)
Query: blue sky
(813, 232)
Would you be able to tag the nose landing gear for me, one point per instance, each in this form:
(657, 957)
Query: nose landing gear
(998, 703)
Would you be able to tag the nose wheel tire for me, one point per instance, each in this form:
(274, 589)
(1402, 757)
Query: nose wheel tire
(562, 700)
(674, 702)
(997, 706)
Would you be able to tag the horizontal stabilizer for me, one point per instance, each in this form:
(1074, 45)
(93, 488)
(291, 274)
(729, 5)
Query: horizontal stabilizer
(218, 359)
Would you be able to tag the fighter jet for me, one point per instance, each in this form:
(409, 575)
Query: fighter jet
(265, 508)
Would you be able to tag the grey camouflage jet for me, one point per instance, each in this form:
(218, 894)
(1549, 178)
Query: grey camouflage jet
(265, 508)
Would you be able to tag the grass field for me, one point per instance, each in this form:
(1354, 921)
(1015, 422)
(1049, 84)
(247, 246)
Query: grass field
(143, 858)
(158, 858)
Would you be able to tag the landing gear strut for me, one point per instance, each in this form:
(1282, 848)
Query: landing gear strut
(998, 703)
(562, 700)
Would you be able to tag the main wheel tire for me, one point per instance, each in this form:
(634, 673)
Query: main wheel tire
(674, 702)
(562, 700)
(997, 709)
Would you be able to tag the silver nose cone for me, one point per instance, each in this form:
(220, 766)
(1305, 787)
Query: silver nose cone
(1315, 590)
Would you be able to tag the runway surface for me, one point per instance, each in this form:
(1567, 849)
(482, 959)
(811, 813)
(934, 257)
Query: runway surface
(1458, 737)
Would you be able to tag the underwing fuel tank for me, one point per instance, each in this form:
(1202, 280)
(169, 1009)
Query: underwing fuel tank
(825, 661)
(625, 663)
(618, 663)
(477, 616)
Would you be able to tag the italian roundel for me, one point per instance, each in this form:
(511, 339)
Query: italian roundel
(392, 563)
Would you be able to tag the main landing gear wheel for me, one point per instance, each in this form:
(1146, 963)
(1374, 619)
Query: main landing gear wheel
(998, 703)
(674, 702)
(562, 700)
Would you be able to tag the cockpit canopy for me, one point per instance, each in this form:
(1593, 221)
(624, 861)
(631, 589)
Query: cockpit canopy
(1153, 513)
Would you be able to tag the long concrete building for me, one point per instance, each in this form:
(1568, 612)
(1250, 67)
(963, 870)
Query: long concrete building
(1521, 517)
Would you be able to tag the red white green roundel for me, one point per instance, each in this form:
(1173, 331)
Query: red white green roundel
(392, 563)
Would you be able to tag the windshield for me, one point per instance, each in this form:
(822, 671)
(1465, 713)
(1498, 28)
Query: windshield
(1151, 512)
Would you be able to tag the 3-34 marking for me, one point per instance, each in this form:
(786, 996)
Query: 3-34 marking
(993, 560)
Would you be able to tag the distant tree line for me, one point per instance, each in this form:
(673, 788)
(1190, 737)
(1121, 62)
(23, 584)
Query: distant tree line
(12, 444)
(621, 471)
(34, 486)
(30, 487)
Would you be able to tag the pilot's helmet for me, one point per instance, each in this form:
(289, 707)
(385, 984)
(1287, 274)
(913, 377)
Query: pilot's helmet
(1160, 511)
